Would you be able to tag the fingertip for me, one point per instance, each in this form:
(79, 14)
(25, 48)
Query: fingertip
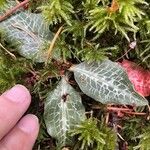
(18, 93)
(23, 88)
(29, 124)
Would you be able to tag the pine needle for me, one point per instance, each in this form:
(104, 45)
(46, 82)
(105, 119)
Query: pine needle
(53, 44)
(12, 55)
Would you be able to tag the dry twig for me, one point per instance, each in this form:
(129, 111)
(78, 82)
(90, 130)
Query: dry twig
(12, 55)
(14, 9)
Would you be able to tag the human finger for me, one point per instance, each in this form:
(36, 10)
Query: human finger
(23, 135)
(13, 105)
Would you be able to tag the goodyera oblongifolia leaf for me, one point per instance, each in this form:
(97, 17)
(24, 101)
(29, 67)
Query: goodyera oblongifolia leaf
(63, 111)
(31, 33)
(106, 82)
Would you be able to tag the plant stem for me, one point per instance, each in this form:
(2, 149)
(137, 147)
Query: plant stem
(12, 10)
(118, 109)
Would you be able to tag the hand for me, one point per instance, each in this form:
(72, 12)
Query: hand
(16, 133)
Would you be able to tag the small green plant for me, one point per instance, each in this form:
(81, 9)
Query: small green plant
(57, 10)
(94, 136)
(144, 143)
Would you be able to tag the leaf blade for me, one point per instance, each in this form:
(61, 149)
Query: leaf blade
(61, 115)
(31, 33)
(106, 82)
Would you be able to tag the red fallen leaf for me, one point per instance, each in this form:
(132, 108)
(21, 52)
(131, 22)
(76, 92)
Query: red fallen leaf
(139, 77)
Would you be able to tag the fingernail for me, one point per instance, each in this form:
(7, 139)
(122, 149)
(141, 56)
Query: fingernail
(17, 94)
(28, 124)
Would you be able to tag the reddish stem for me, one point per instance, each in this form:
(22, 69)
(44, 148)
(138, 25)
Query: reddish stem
(118, 109)
(125, 110)
(136, 113)
(9, 12)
